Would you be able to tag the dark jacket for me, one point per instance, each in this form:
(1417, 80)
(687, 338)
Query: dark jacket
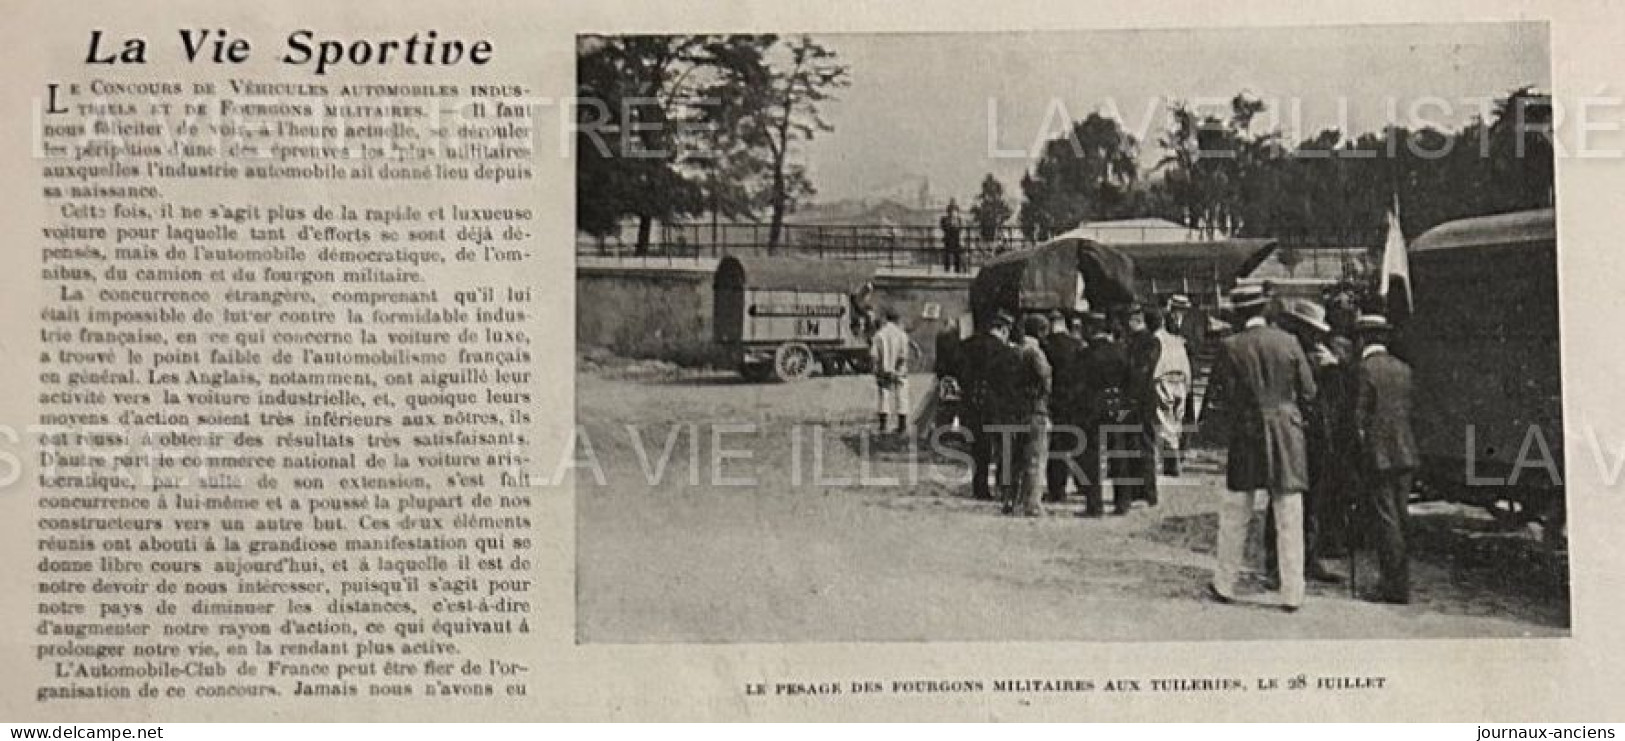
(1105, 379)
(1330, 424)
(1191, 325)
(1143, 353)
(1382, 412)
(1259, 379)
(1065, 355)
(987, 378)
(947, 351)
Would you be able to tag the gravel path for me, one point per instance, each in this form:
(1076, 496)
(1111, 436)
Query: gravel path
(825, 539)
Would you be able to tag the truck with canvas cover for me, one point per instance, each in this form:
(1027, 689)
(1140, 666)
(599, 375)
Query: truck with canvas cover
(1483, 341)
(788, 317)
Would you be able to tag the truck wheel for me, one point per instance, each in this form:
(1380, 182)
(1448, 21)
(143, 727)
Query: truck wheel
(793, 361)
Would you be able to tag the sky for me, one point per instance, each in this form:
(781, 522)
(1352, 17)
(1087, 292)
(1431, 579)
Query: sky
(954, 107)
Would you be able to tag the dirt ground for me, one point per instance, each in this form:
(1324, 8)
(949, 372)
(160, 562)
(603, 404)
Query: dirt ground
(776, 519)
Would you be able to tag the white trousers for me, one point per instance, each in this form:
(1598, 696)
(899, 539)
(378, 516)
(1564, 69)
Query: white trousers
(1235, 518)
(1173, 393)
(894, 399)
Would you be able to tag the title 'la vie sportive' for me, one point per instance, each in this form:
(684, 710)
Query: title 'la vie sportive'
(303, 48)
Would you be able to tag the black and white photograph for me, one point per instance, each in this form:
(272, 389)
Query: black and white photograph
(1166, 335)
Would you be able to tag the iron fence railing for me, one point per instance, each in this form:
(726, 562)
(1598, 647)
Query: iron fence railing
(1312, 252)
(894, 246)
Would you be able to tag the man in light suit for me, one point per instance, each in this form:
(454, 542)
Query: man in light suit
(1382, 419)
(1034, 379)
(888, 351)
(1261, 378)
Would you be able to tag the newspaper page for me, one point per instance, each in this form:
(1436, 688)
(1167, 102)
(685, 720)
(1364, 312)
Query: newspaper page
(746, 361)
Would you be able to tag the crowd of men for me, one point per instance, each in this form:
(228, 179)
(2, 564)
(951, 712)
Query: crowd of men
(1032, 394)
(1315, 418)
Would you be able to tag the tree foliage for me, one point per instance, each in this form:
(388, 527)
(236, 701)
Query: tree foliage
(990, 211)
(794, 95)
(669, 127)
(1087, 174)
(1223, 176)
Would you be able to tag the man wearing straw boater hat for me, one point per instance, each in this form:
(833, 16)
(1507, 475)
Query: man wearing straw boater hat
(1260, 379)
(1382, 419)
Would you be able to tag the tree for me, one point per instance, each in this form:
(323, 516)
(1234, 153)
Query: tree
(640, 125)
(1520, 144)
(1230, 176)
(1223, 176)
(732, 173)
(1087, 174)
(1192, 181)
(792, 99)
(990, 211)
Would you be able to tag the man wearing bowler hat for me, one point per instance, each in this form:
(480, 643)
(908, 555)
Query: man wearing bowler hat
(1382, 420)
(1262, 376)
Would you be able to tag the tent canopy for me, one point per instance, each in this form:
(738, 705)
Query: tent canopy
(1046, 277)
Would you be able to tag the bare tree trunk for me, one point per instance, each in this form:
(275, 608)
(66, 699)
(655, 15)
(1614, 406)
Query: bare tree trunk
(775, 229)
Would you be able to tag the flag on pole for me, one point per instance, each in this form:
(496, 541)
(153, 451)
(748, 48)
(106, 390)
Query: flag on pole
(1394, 285)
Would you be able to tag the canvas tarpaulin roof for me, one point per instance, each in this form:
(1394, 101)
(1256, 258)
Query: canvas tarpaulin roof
(1520, 226)
(1046, 277)
(793, 274)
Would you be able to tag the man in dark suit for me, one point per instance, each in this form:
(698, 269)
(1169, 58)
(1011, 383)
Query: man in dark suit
(1185, 321)
(987, 374)
(1104, 374)
(1326, 431)
(1065, 355)
(1144, 350)
(953, 253)
(1260, 379)
(947, 351)
(1382, 420)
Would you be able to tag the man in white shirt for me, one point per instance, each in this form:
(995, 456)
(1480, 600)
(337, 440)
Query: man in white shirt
(1170, 387)
(888, 352)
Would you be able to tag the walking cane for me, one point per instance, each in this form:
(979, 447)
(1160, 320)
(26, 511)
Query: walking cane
(1354, 552)
(1351, 514)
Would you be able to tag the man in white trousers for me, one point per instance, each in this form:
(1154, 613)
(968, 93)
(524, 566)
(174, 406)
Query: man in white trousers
(1259, 381)
(888, 352)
